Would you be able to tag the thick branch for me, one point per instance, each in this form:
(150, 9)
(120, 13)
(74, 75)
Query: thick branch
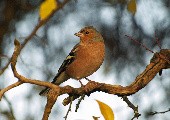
(21, 78)
(158, 62)
(51, 99)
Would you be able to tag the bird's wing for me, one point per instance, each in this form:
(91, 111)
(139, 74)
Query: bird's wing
(69, 59)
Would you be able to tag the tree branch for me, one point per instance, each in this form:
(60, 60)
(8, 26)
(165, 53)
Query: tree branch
(41, 23)
(10, 108)
(162, 112)
(135, 109)
(158, 62)
(8, 88)
(21, 78)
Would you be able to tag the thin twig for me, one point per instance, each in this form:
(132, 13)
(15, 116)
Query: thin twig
(162, 112)
(10, 107)
(130, 104)
(139, 43)
(4, 56)
(79, 101)
(158, 42)
(5, 67)
(69, 109)
(2, 91)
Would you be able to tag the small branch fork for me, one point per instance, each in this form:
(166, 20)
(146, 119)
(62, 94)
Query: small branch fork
(135, 109)
(162, 112)
(140, 43)
(159, 61)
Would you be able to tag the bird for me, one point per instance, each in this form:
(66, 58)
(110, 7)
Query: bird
(85, 58)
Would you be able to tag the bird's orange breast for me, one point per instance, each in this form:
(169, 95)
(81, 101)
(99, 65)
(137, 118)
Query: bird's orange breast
(88, 60)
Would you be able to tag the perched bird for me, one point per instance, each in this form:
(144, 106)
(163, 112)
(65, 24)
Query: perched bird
(84, 59)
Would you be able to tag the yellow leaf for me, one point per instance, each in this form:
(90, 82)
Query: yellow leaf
(46, 8)
(106, 111)
(131, 6)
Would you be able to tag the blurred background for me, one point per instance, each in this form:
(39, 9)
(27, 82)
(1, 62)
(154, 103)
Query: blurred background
(125, 59)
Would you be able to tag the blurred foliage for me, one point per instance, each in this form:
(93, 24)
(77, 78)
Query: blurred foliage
(45, 52)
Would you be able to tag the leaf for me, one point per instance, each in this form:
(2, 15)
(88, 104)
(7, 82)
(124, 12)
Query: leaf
(131, 6)
(46, 8)
(106, 111)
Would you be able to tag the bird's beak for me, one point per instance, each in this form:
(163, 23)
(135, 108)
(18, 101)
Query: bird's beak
(78, 34)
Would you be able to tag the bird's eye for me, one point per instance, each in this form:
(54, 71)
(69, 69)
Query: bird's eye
(87, 32)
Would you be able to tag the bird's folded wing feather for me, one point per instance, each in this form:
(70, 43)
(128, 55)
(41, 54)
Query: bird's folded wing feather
(69, 59)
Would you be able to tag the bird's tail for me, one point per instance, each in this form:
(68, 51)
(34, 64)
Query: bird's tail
(44, 91)
(58, 79)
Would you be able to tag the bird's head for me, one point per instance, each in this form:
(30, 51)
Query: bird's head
(89, 34)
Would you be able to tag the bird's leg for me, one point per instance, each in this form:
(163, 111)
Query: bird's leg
(87, 79)
(81, 83)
